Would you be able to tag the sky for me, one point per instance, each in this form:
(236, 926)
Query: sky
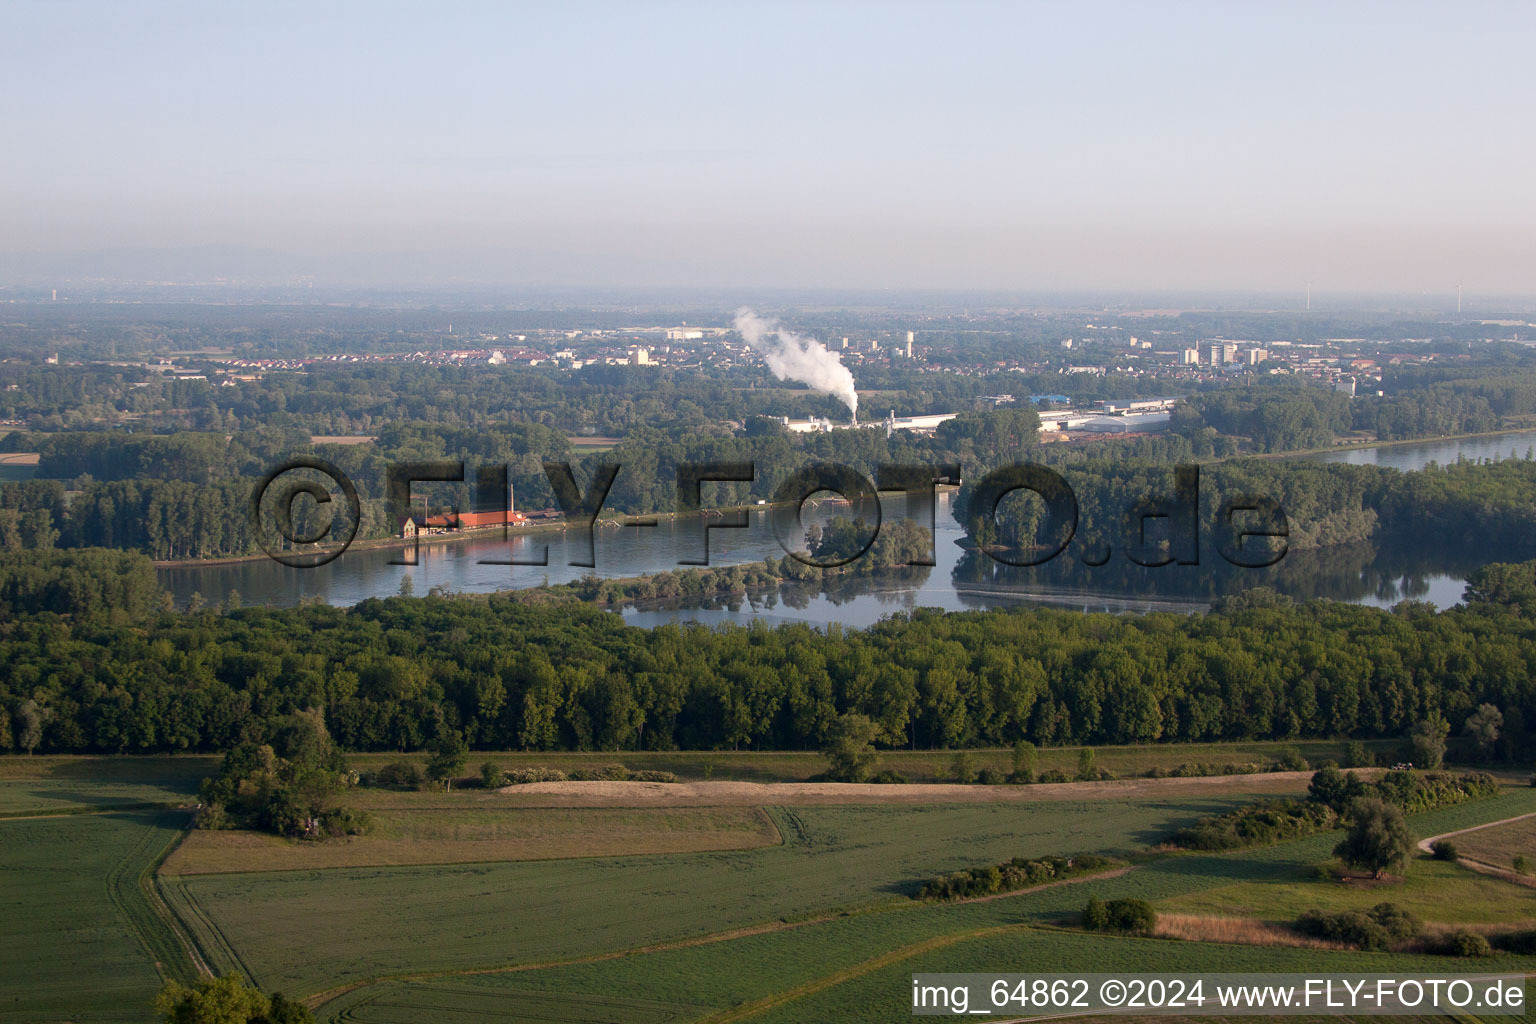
(942, 145)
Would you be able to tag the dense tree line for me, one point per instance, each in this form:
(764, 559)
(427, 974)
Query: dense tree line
(1491, 504)
(509, 672)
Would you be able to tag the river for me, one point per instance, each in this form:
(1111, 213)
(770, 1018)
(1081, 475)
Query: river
(960, 580)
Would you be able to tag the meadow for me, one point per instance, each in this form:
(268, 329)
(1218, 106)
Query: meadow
(857, 968)
(63, 785)
(366, 922)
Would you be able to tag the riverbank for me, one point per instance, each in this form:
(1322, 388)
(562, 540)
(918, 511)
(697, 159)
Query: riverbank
(605, 520)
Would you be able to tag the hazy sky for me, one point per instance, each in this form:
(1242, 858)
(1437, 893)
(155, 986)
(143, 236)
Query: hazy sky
(1019, 145)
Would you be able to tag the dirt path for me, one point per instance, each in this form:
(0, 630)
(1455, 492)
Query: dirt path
(665, 794)
(1483, 867)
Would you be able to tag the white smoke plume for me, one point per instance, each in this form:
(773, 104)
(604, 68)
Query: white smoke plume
(794, 357)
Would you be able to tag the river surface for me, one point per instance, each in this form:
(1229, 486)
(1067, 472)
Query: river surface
(960, 580)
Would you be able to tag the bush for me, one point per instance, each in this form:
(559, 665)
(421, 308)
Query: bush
(1465, 943)
(1375, 929)
(1443, 849)
(1257, 824)
(398, 775)
(523, 776)
(889, 777)
(961, 769)
(1024, 763)
(652, 775)
(1357, 756)
(1017, 873)
(1054, 775)
(1086, 772)
(1290, 760)
(1131, 916)
(601, 773)
(490, 775)
(1521, 865)
(991, 777)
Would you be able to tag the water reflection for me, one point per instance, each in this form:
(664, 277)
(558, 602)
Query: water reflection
(1364, 573)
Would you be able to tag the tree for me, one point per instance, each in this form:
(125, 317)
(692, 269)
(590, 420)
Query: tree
(1427, 738)
(449, 753)
(1483, 726)
(1329, 786)
(1085, 767)
(1095, 917)
(850, 748)
(30, 719)
(1377, 838)
(1024, 760)
(227, 1000)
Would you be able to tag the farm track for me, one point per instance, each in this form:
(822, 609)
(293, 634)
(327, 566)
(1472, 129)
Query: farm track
(130, 889)
(210, 946)
(1483, 867)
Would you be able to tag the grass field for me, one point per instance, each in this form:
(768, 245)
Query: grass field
(54, 785)
(444, 836)
(378, 921)
(858, 968)
(1501, 844)
(80, 940)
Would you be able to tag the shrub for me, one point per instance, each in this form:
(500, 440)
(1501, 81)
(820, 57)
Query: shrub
(1257, 824)
(889, 776)
(523, 776)
(1023, 763)
(399, 775)
(1054, 775)
(1290, 760)
(1131, 916)
(991, 777)
(961, 769)
(1095, 916)
(490, 775)
(1465, 943)
(1357, 756)
(652, 775)
(613, 772)
(1086, 772)
(1443, 849)
(1521, 865)
(1017, 873)
(1375, 929)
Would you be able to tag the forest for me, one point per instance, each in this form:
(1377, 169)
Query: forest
(519, 671)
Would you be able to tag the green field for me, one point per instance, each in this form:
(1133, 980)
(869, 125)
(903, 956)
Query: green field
(818, 928)
(858, 968)
(56, 785)
(362, 923)
(80, 940)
